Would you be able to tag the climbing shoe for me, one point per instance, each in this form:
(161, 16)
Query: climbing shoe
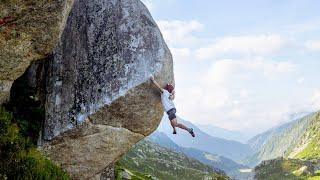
(191, 132)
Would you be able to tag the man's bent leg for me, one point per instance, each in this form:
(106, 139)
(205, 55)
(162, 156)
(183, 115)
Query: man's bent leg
(173, 123)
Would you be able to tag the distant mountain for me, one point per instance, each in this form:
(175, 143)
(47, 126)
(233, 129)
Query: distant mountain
(223, 133)
(147, 159)
(215, 161)
(308, 146)
(297, 139)
(257, 141)
(204, 142)
(163, 140)
(298, 115)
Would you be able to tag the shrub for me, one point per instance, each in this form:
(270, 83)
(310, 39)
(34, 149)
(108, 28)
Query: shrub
(19, 158)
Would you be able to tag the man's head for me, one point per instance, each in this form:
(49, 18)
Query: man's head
(169, 88)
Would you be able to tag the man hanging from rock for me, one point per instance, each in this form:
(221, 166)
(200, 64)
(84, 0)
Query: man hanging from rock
(167, 96)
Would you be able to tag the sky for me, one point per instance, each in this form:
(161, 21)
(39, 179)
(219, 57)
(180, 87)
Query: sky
(242, 65)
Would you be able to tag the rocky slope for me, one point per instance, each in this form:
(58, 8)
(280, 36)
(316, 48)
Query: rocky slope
(224, 133)
(308, 146)
(91, 79)
(290, 151)
(299, 139)
(215, 161)
(162, 163)
(261, 139)
(288, 169)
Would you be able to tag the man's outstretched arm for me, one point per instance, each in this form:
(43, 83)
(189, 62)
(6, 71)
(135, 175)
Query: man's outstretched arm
(156, 84)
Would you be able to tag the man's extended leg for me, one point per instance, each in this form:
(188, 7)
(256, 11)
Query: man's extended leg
(174, 123)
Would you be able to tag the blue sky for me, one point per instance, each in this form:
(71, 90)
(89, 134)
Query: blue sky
(242, 65)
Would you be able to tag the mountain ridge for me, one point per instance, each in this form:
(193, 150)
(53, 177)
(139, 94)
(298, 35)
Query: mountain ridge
(203, 141)
(216, 131)
(215, 161)
(163, 163)
(289, 140)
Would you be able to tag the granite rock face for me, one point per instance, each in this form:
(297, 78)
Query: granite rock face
(90, 67)
(28, 31)
(87, 150)
(107, 48)
(99, 100)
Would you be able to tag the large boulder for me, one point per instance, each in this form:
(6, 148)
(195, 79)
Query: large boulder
(28, 31)
(94, 60)
(99, 100)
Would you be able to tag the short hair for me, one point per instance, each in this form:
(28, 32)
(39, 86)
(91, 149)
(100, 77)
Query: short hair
(169, 88)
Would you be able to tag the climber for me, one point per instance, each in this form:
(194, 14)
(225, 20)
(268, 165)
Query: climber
(167, 95)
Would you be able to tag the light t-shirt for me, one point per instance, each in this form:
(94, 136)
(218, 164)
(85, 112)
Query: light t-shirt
(167, 103)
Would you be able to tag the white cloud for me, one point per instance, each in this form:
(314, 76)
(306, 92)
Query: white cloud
(223, 69)
(308, 26)
(180, 33)
(230, 94)
(315, 100)
(247, 45)
(313, 45)
(242, 87)
(236, 113)
(181, 54)
(301, 80)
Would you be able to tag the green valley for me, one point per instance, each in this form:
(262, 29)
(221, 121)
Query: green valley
(294, 151)
(148, 160)
(287, 169)
(298, 139)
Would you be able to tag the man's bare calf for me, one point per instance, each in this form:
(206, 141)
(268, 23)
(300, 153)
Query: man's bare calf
(174, 124)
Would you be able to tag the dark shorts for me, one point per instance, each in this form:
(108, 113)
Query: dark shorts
(172, 114)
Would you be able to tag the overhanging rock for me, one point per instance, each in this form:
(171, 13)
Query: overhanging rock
(99, 100)
(29, 30)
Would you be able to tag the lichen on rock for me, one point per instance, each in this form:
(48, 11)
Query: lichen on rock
(86, 151)
(106, 49)
(28, 31)
(94, 85)
(99, 100)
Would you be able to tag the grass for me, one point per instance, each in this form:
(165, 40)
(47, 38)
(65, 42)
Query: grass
(312, 151)
(119, 169)
(316, 177)
(19, 158)
(284, 169)
(150, 160)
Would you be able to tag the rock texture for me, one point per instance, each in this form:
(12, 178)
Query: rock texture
(100, 68)
(28, 31)
(86, 150)
(94, 61)
(99, 101)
